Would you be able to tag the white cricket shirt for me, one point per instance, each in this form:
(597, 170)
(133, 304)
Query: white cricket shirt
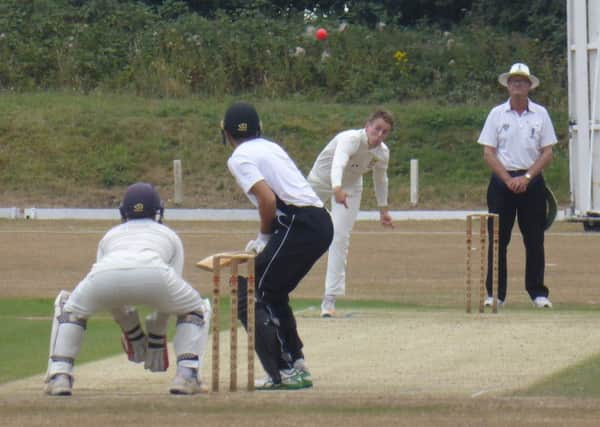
(259, 159)
(518, 139)
(347, 157)
(139, 243)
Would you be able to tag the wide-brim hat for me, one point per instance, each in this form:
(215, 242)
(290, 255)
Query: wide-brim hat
(518, 69)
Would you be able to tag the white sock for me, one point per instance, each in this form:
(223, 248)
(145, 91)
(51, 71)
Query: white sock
(186, 372)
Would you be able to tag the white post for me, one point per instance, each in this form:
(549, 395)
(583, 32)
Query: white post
(581, 153)
(29, 213)
(178, 198)
(414, 182)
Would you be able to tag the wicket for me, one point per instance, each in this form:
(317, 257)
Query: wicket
(236, 258)
(484, 220)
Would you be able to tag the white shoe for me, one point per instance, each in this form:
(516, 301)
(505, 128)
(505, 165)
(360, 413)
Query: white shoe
(267, 381)
(263, 383)
(489, 302)
(59, 385)
(542, 302)
(187, 386)
(328, 306)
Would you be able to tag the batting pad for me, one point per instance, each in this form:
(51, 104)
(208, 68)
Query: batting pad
(65, 339)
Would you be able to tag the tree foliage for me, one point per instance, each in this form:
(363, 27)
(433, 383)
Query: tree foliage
(267, 48)
(513, 15)
(541, 19)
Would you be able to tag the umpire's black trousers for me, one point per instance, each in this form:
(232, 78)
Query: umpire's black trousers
(300, 237)
(530, 210)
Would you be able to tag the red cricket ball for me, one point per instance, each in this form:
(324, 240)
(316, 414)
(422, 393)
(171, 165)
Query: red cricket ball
(321, 34)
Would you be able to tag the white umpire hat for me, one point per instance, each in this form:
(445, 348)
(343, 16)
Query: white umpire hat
(519, 69)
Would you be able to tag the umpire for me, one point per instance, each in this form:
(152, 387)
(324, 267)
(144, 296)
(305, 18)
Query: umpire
(295, 230)
(517, 138)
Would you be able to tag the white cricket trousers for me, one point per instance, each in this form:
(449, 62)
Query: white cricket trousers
(343, 222)
(157, 287)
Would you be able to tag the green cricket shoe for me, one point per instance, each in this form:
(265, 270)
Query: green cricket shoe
(291, 379)
(306, 377)
(266, 384)
(300, 366)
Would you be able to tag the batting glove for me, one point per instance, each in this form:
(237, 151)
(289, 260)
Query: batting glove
(134, 344)
(257, 245)
(157, 356)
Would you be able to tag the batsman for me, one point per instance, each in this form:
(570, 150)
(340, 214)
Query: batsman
(295, 230)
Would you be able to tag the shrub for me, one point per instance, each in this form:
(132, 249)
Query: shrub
(168, 51)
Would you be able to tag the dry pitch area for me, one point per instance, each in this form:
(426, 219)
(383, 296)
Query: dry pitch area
(434, 365)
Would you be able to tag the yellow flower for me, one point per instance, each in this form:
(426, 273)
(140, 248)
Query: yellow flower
(400, 56)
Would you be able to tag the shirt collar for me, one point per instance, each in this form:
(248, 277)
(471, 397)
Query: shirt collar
(364, 139)
(531, 106)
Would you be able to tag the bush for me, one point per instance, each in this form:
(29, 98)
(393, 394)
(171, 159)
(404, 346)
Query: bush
(168, 51)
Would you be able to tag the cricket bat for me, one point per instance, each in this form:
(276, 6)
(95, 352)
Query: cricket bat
(225, 259)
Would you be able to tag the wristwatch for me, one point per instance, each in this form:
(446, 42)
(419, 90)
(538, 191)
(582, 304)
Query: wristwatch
(528, 176)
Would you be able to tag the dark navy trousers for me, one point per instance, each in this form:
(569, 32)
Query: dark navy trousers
(300, 237)
(529, 208)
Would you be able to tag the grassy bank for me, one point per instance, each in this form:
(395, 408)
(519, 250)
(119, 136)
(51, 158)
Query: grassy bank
(68, 149)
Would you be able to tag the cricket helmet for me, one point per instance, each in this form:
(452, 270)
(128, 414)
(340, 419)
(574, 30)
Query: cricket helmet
(141, 200)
